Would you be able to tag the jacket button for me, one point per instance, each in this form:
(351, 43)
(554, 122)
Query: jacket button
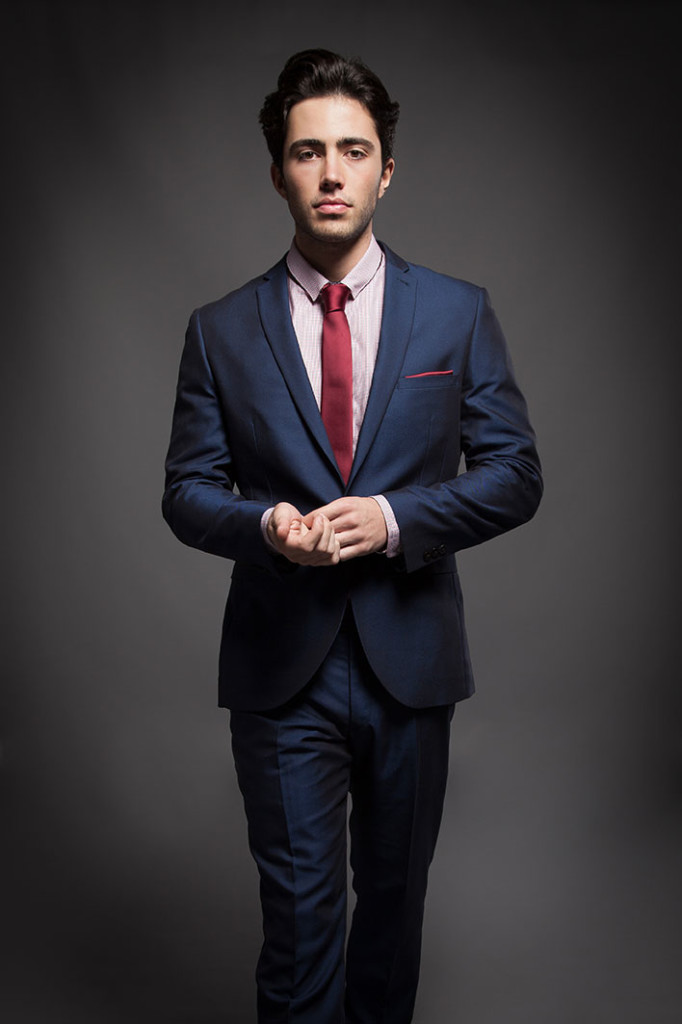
(442, 550)
(428, 555)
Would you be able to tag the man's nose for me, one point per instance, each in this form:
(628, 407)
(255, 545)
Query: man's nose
(332, 173)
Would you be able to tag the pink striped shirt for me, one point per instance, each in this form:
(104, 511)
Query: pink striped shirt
(364, 309)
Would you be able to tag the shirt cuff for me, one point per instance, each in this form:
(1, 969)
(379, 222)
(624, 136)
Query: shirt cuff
(392, 529)
(264, 520)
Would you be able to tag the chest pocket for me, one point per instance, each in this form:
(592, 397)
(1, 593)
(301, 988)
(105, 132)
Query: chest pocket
(423, 381)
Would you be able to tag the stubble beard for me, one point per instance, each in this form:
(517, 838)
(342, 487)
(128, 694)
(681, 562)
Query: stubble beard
(337, 232)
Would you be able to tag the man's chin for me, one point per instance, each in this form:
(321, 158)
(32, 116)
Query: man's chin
(336, 233)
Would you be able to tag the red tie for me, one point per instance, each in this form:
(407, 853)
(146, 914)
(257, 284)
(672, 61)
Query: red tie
(337, 375)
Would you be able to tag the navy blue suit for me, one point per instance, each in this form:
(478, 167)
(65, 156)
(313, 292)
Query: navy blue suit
(246, 416)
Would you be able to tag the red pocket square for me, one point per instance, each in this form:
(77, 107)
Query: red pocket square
(429, 373)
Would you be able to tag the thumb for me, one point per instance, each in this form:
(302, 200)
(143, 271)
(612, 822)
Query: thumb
(283, 515)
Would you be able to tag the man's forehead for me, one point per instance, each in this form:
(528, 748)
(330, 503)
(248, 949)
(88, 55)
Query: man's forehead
(335, 116)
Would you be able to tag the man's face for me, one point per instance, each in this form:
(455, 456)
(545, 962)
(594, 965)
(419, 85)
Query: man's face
(332, 173)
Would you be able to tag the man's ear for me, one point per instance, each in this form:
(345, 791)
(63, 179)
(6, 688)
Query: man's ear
(386, 176)
(278, 180)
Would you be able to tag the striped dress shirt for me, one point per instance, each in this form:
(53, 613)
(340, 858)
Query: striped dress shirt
(364, 309)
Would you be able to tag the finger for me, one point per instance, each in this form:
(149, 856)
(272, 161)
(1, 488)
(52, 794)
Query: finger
(321, 531)
(356, 548)
(313, 533)
(333, 510)
(342, 527)
(288, 526)
(349, 535)
(326, 551)
(328, 539)
(330, 545)
(330, 556)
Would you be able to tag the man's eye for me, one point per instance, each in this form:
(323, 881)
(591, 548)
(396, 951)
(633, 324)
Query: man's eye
(306, 154)
(356, 154)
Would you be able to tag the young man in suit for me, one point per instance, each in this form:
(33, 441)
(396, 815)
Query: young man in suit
(337, 392)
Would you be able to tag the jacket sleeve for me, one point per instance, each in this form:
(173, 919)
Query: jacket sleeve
(502, 485)
(199, 503)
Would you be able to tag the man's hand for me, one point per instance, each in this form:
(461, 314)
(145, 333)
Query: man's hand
(306, 540)
(358, 524)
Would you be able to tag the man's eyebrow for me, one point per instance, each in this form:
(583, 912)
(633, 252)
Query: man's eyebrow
(356, 141)
(351, 140)
(305, 144)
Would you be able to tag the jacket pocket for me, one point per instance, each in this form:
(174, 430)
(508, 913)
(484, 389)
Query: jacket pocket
(434, 379)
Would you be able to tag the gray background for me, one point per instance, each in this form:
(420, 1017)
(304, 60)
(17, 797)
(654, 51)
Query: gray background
(537, 155)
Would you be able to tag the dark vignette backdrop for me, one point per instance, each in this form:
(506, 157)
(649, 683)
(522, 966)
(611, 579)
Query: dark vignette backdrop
(538, 155)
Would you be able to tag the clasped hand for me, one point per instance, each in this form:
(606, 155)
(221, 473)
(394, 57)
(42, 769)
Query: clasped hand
(344, 529)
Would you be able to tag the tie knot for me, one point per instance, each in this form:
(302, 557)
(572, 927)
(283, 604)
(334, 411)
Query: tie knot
(334, 297)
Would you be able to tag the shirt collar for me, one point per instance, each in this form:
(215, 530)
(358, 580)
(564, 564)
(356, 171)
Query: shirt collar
(313, 282)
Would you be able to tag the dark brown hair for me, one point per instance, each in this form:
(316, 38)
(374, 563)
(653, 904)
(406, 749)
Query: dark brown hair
(313, 73)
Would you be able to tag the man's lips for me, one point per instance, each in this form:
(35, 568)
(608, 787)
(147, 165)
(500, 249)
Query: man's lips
(331, 205)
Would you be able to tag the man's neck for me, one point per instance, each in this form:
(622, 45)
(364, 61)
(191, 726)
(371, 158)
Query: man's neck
(333, 260)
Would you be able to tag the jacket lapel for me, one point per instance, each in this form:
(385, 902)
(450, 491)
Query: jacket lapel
(396, 328)
(273, 307)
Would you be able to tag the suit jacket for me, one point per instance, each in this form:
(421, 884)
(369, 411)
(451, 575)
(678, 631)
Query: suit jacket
(246, 418)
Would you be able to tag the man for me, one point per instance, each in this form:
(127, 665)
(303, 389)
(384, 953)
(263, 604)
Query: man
(337, 392)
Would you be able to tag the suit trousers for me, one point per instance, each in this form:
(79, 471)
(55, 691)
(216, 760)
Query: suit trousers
(296, 765)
